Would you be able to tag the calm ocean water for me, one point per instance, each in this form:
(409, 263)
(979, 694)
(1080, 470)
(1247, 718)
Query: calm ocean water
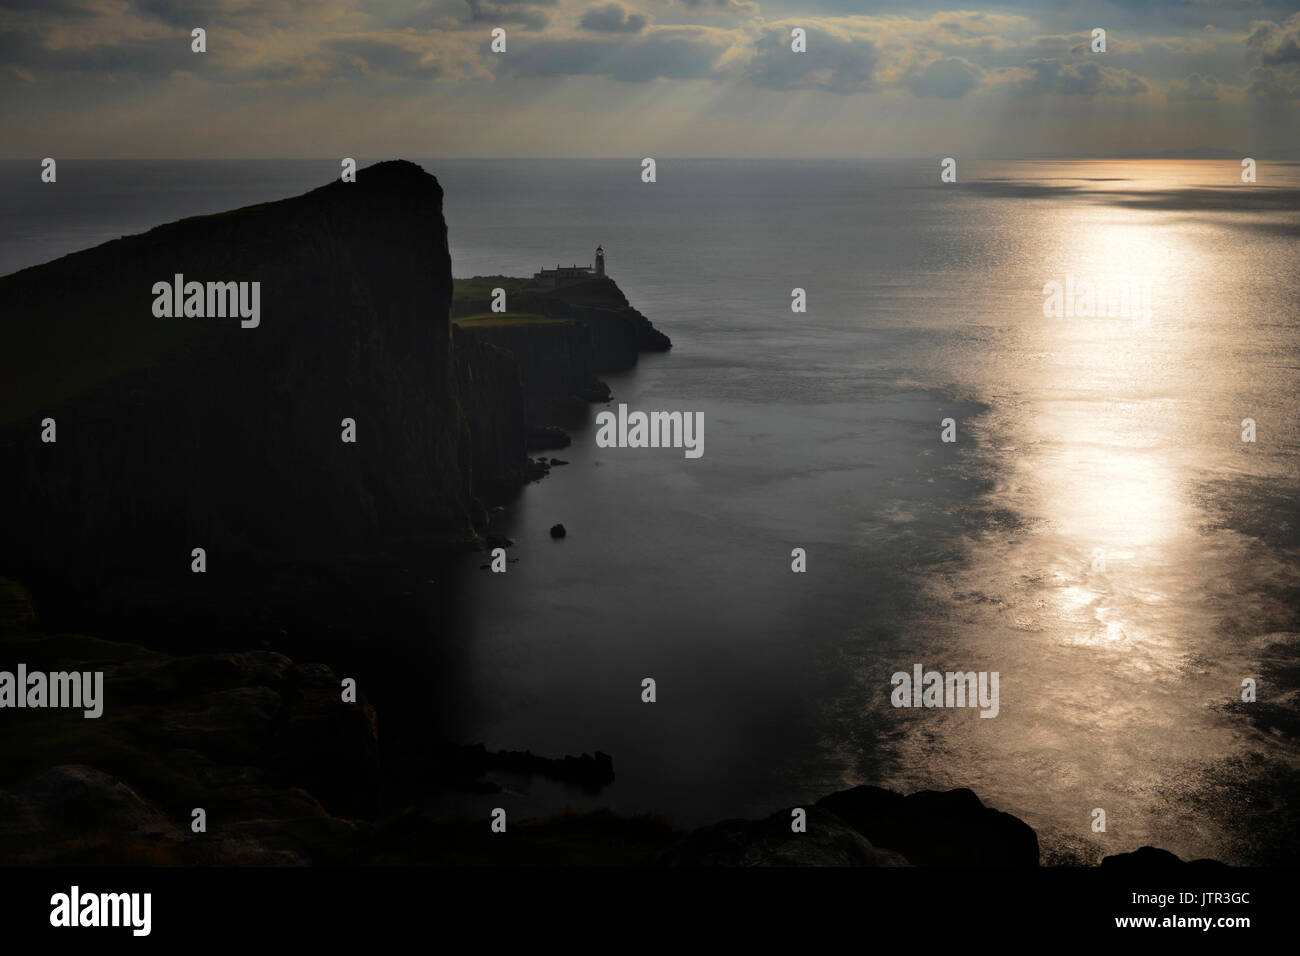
(1078, 439)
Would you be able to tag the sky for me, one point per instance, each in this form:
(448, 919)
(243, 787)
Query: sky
(661, 78)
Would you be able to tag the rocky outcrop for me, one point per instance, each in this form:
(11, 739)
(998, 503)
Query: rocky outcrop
(73, 814)
(828, 841)
(247, 737)
(933, 828)
(556, 366)
(72, 810)
(868, 826)
(618, 331)
(276, 723)
(1153, 858)
(562, 338)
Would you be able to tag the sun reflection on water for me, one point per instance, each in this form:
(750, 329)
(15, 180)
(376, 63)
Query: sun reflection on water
(1103, 609)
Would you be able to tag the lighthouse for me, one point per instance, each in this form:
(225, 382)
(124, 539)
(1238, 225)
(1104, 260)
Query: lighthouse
(600, 260)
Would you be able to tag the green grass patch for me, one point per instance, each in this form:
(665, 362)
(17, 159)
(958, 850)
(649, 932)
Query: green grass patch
(490, 320)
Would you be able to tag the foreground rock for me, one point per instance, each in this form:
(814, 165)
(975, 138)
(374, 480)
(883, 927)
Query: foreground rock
(1152, 858)
(76, 815)
(829, 841)
(266, 747)
(934, 828)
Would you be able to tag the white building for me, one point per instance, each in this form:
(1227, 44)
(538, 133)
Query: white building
(562, 274)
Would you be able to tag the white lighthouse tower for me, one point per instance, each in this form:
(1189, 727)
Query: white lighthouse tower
(600, 260)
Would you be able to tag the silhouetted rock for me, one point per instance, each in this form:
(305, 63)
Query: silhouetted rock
(72, 805)
(828, 841)
(1153, 858)
(933, 828)
(73, 814)
(243, 735)
(557, 531)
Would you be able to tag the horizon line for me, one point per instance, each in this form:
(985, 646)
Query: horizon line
(1046, 157)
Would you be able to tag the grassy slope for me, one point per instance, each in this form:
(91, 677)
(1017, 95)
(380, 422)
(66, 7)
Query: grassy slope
(489, 320)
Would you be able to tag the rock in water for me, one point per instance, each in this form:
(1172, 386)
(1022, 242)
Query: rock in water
(557, 531)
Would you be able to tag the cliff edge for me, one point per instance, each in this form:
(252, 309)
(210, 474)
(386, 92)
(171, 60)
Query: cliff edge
(210, 431)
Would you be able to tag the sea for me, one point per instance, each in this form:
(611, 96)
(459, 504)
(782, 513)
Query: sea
(1112, 526)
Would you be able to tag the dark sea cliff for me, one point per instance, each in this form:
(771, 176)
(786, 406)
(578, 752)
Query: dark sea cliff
(175, 433)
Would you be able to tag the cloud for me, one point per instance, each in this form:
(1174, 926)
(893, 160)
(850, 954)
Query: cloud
(1267, 87)
(949, 78)
(27, 51)
(62, 8)
(1078, 79)
(181, 13)
(739, 8)
(673, 52)
(525, 13)
(244, 15)
(1276, 44)
(835, 62)
(612, 18)
(1197, 87)
(385, 57)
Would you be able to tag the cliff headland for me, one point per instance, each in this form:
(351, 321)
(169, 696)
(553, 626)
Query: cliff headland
(349, 423)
